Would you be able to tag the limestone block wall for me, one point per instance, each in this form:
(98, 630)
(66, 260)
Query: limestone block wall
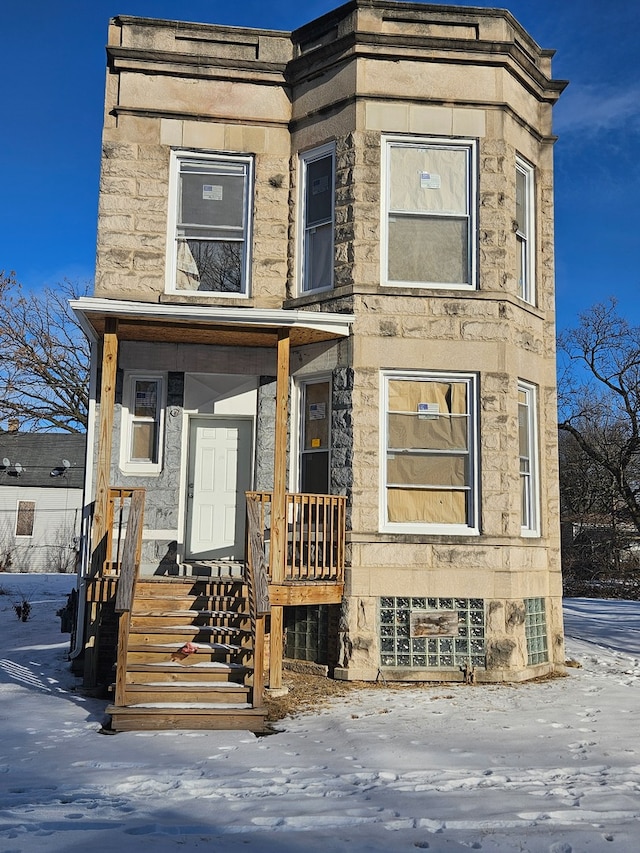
(133, 209)
(342, 86)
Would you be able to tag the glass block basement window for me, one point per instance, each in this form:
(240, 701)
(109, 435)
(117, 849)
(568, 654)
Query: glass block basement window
(399, 648)
(535, 627)
(307, 632)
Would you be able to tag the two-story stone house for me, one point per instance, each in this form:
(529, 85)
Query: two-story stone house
(325, 285)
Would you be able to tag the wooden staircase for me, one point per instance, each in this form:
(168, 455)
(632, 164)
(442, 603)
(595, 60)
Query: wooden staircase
(213, 687)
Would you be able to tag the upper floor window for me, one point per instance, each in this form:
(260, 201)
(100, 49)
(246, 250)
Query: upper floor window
(524, 229)
(143, 421)
(429, 213)
(317, 170)
(528, 454)
(430, 472)
(209, 220)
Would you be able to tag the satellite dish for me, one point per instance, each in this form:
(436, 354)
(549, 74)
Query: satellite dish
(18, 468)
(6, 462)
(66, 463)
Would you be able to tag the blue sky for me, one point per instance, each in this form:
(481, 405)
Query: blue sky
(52, 68)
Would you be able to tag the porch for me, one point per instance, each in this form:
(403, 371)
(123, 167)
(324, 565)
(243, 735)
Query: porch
(295, 542)
(191, 648)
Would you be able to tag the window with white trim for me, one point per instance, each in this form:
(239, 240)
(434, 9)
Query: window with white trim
(428, 216)
(315, 435)
(25, 518)
(143, 422)
(524, 230)
(430, 479)
(209, 222)
(317, 170)
(528, 455)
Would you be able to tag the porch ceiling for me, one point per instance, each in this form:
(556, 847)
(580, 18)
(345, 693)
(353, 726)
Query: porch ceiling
(202, 324)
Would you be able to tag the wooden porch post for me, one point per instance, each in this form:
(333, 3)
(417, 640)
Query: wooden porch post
(101, 506)
(105, 432)
(278, 551)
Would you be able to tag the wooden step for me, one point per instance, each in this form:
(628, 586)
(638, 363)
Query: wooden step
(191, 586)
(173, 641)
(224, 598)
(185, 691)
(189, 612)
(211, 688)
(214, 671)
(127, 719)
(190, 630)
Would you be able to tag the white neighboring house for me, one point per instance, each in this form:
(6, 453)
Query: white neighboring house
(41, 481)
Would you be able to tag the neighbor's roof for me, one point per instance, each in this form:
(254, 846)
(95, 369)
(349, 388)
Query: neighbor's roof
(34, 456)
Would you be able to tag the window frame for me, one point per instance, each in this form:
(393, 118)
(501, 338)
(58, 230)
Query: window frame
(140, 466)
(471, 180)
(525, 234)
(529, 497)
(300, 387)
(472, 525)
(30, 511)
(178, 157)
(305, 159)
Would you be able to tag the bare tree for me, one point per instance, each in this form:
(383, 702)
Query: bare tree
(44, 358)
(599, 404)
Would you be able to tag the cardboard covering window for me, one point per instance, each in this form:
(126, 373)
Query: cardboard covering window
(428, 228)
(429, 180)
(428, 457)
(428, 250)
(143, 442)
(145, 421)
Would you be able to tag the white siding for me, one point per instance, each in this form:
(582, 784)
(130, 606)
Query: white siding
(57, 521)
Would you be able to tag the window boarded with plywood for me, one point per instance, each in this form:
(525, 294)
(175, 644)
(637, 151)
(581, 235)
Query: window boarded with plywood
(428, 466)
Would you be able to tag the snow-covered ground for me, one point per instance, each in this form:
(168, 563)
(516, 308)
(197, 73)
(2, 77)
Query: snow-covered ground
(552, 767)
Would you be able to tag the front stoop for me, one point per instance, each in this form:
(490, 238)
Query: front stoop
(208, 688)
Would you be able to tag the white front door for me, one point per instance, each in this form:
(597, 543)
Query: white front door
(219, 475)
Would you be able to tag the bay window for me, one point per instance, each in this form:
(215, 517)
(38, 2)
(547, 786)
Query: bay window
(429, 213)
(317, 169)
(429, 470)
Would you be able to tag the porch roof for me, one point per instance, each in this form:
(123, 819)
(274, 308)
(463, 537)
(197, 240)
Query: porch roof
(208, 324)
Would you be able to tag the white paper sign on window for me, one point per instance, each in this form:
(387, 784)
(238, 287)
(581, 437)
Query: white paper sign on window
(320, 185)
(429, 181)
(428, 411)
(211, 192)
(317, 411)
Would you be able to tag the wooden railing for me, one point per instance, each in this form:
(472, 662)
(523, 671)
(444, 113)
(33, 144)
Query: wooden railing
(316, 533)
(122, 509)
(258, 587)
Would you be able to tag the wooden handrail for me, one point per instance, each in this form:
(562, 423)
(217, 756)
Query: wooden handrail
(316, 534)
(131, 552)
(258, 585)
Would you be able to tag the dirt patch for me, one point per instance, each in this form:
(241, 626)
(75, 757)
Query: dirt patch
(310, 692)
(307, 693)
